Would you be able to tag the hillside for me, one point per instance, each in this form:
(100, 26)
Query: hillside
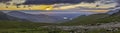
(18, 24)
(10, 24)
(36, 17)
(115, 17)
(95, 19)
(83, 20)
(4, 16)
(7, 21)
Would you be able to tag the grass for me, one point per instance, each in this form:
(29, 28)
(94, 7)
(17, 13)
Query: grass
(83, 20)
(102, 31)
(17, 24)
(33, 30)
(93, 19)
(26, 27)
(21, 30)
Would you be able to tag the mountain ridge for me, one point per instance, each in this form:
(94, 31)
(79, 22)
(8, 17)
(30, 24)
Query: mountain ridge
(35, 17)
(4, 16)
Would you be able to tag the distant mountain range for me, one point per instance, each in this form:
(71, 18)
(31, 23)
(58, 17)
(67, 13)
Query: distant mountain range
(45, 18)
(36, 17)
(4, 16)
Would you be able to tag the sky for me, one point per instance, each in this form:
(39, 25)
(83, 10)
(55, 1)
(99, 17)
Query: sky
(77, 3)
(33, 2)
(50, 1)
(56, 1)
(4, 0)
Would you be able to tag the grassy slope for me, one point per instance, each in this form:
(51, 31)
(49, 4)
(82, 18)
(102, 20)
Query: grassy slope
(93, 19)
(102, 31)
(112, 18)
(82, 20)
(16, 24)
(22, 27)
(25, 27)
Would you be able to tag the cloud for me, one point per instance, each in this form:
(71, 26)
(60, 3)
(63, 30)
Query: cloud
(51, 1)
(17, 1)
(4, 0)
(56, 1)
(118, 2)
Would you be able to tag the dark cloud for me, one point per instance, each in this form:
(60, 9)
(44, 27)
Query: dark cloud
(56, 1)
(4, 0)
(118, 3)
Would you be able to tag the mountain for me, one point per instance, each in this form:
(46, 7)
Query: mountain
(34, 17)
(4, 16)
(7, 22)
(112, 16)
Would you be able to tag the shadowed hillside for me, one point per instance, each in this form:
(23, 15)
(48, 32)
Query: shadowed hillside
(7, 21)
(4, 16)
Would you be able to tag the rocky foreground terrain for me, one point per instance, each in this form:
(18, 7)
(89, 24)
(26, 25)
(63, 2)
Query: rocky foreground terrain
(101, 26)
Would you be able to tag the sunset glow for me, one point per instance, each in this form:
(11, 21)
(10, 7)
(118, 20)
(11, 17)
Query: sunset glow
(96, 5)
